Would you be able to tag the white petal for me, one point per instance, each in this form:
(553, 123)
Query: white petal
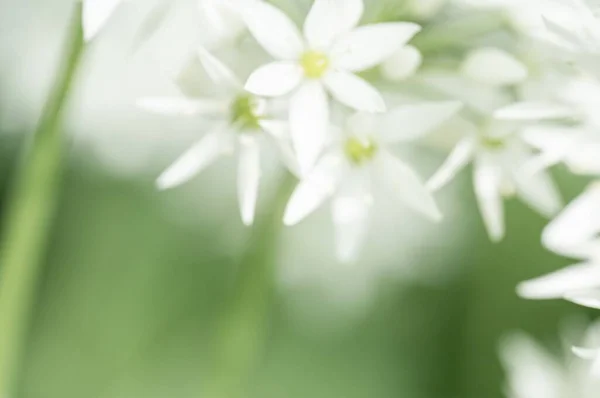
(589, 299)
(280, 132)
(96, 14)
(368, 46)
(459, 158)
(405, 184)
(487, 179)
(539, 191)
(275, 32)
(248, 178)
(315, 188)
(350, 210)
(309, 123)
(573, 233)
(532, 111)
(196, 159)
(354, 92)
(586, 353)
(328, 19)
(152, 23)
(494, 67)
(561, 283)
(219, 73)
(275, 79)
(403, 64)
(410, 122)
(182, 106)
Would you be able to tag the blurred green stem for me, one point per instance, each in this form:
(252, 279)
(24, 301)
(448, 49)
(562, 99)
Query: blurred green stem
(243, 328)
(29, 216)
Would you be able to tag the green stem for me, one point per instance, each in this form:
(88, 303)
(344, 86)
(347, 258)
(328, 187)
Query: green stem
(242, 330)
(29, 216)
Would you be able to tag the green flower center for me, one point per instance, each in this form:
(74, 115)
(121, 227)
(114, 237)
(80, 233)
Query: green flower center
(493, 143)
(314, 63)
(245, 112)
(359, 151)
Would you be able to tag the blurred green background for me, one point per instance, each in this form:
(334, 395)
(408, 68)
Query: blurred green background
(135, 281)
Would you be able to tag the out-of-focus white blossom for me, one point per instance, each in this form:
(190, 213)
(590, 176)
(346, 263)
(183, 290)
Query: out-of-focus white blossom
(533, 372)
(358, 161)
(573, 233)
(403, 64)
(493, 66)
(238, 118)
(498, 154)
(322, 60)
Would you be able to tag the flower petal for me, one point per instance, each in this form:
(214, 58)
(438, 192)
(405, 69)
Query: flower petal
(275, 79)
(459, 158)
(494, 67)
(539, 191)
(328, 19)
(488, 181)
(248, 178)
(275, 32)
(590, 299)
(309, 123)
(410, 122)
(315, 188)
(354, 92)
(561, 283)
(96, 14)
(350, 210)
(533, 111)
(280, 132)
(368, 46)
(403, 64)
(220, 74)
(182, 106)
(405, 184)
(573, 233)
(196, 159)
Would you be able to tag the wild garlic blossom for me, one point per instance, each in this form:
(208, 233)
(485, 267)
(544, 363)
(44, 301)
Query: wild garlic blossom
(499, 154)
(237, 128)
(323, 59)
(534, 372)
(359, 160)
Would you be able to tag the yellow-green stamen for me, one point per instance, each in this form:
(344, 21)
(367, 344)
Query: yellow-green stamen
(244, 111)
(493, 143)
(314, 63)
(360, 151)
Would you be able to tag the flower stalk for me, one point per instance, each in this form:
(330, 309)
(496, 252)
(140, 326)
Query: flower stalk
(242, 329)
(29, 216)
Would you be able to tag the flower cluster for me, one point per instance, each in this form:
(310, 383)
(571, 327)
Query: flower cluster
(316, 102)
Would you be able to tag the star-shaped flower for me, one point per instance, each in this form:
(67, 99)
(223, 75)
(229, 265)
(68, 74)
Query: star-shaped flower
(533, 371)
(358, 160)
(322, 60)
(499, 154)
(574, 233)
(238, 119)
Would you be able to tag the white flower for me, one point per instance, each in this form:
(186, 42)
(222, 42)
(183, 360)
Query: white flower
(348, 171)
(493, 66)
(499, 154)
(96, 14)
(325, 59)
(238, 119)
(532, 372)
(223, 17)
(573, 233)
(576, 146)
